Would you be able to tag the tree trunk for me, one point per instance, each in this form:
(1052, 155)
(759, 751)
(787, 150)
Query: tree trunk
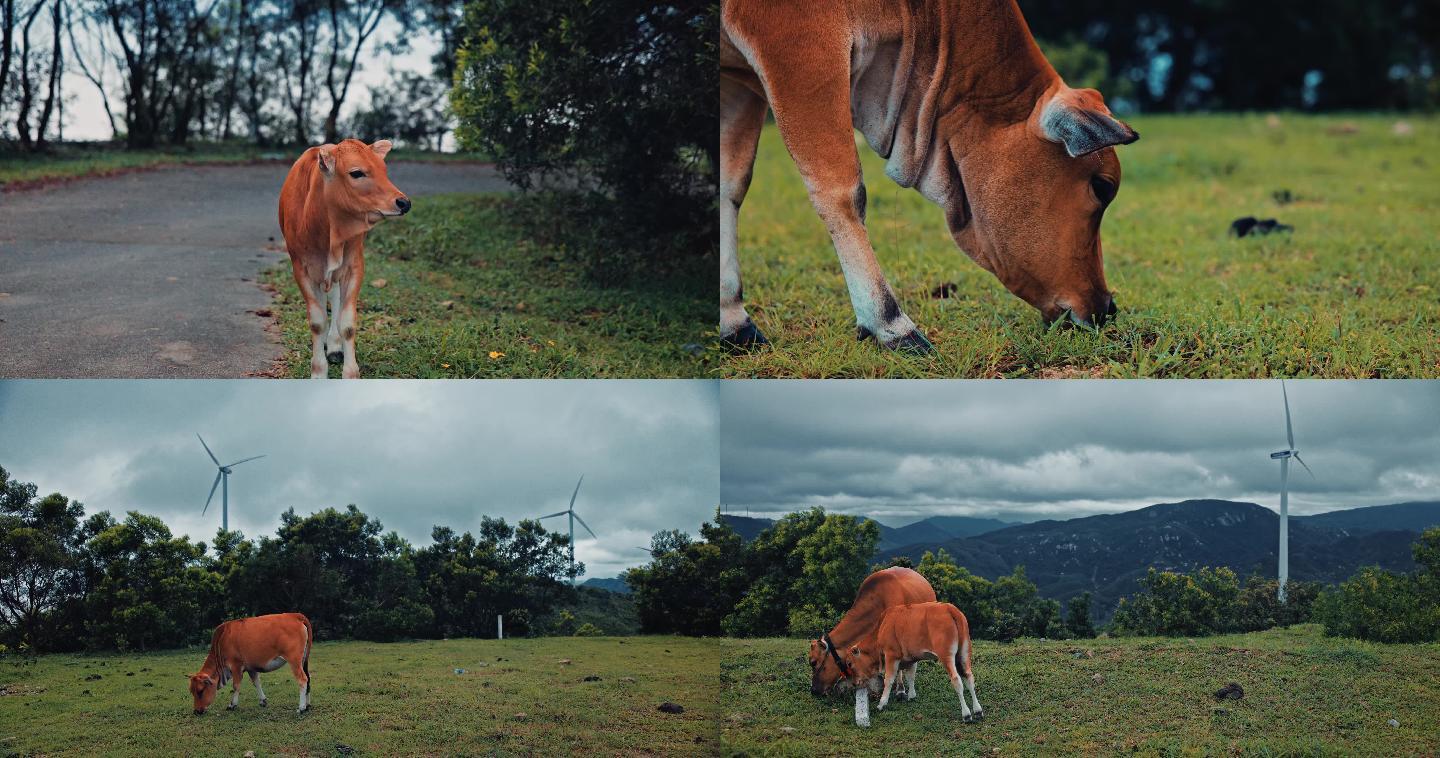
(27, 87)
(57, 59)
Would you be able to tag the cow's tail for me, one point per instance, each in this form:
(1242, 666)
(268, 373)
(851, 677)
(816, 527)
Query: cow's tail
(962, 651)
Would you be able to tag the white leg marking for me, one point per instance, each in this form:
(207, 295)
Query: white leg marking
(970, 682)
(862, 706)
(235, 696)
(332, 335)
(255, 680)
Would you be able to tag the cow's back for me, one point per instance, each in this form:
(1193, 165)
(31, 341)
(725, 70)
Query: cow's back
(882, 590)
(257, 640)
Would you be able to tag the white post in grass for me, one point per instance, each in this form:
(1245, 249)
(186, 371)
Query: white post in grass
(499, 627)
(862, 706)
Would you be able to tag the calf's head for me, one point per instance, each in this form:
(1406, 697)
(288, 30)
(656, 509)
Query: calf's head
(1026, 198)
(357, 187)
(864, 665)
(203, 687)
(824, 674)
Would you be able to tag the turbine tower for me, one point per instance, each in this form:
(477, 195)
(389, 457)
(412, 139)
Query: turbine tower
(1284, 457)
(221, 476)
(573, 518)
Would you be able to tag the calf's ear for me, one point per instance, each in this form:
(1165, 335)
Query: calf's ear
(1079, 120)
(381, 147)
(326, 156)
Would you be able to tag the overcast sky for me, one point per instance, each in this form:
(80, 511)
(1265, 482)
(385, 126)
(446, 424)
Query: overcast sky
(414, 454)
(900, 451)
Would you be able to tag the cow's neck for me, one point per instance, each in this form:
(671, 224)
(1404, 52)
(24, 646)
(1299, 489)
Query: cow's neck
(985, 66)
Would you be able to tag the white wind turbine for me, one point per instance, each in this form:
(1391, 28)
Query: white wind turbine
(573, 518)
(223, 475)
(1284, 457)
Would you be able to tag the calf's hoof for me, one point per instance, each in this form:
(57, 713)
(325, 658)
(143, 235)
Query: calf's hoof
(979, 715)
(264, 703)
(910, 343)
(335, 357)
(747, 337)
(230, 707)
(967, 718)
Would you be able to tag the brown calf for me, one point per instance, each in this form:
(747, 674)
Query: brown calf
(333, 196)
(911, 633)
(255, 645)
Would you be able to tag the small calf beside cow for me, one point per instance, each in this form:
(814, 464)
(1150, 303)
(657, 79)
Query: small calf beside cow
(894, 623)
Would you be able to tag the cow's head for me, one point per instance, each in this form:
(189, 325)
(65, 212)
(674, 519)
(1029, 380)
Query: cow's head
(203, 687)
(356, 184)
(824, 674)
(1027, 197)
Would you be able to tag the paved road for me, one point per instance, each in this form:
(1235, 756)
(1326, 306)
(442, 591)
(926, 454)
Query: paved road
(154, 274)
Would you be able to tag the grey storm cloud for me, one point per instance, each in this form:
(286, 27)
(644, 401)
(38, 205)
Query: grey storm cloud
(413, 454)
(899, 451)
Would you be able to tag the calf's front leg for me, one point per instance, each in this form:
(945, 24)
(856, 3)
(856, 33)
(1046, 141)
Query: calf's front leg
(351, 277)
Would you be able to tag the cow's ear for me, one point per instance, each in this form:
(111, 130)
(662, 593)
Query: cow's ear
(326, 158)
(381, 147)
(1079, 120)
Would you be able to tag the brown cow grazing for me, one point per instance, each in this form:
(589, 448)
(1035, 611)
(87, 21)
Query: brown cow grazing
(333, 196)
(958, 98)
(910, 633)
(252, 646)
(880, 591)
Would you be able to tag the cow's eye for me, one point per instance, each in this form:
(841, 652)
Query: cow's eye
(1104, 189)
(357, 174)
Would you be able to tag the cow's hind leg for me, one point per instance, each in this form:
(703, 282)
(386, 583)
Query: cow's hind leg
(805, 64)
(969, 669)
(298, 668)
(235, 675)
(255, 680)
(742, 116)
(892, 669)
(957, 682)
(910, 672)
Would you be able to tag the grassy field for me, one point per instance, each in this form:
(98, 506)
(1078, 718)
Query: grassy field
(73, 161)
(381, 699)
(1304, 695)
(1353, 292)
(467, 295)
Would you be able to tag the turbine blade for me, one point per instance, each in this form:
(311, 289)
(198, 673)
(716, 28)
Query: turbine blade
(212, 493)
(207, 449)
(1307, 468)
(553, 515)
(576, 492)
(587, 526)
(237, 463)
(1289, 433)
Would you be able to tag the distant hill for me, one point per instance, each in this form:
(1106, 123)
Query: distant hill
(1413, 517)
(891, 538)
(613, 584)
(1105, 554)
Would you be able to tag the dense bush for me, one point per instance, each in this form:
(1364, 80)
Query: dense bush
(1004, 609)
(69, 582)
(1210, 601)
(611, 102)
(1384, 606)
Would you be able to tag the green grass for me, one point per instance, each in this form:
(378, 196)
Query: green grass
(468, 295)
(1353, 292)
(72, 161)
(379, 699)
(1304, 695)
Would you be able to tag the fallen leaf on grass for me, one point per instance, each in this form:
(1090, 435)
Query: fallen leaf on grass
(447, 304)
(496, 355)
(378, 283)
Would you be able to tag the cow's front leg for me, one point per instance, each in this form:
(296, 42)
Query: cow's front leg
(862, 706)
(235, 675)
(742, 116)
(350, 281)
(807, 72)
(255, 680)
(334, 348)
(315, 310)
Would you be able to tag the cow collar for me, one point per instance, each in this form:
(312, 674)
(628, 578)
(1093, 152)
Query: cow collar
(830, 645)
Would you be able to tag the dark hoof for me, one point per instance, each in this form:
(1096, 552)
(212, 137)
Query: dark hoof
(745, 338)
(229, 707)
(335, 358)
(264, 703)
(968, 718)
(913, 343)
(979, 715)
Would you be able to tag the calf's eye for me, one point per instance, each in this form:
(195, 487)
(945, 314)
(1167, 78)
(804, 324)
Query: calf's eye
(357, 174)
(1104, 189)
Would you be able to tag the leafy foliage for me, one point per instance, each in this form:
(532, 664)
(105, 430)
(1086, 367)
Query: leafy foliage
(69, 584)
(1004, 609)
(1211, 601)
(611, 100)
(1385, 606)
